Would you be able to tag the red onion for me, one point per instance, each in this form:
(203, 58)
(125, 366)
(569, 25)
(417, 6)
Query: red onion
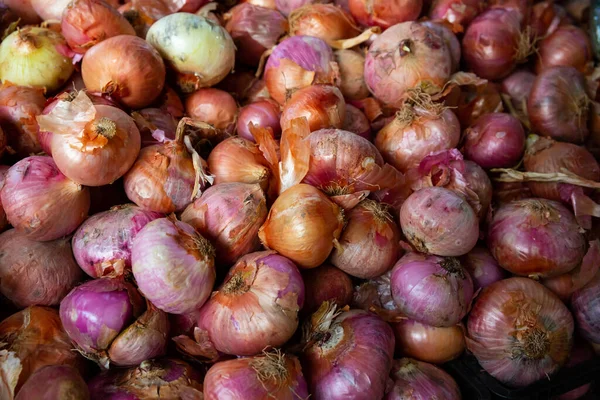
(287, 6)
(356, 122)
(324, 21)
(349, 354)
(384, 13)
(229, 215)
(18, 108)
(586, 310)
(375, 295)
(456, 12)
(544, 18)
(438, 221)
(322, 105)
(432, 290)
(420, 381)
(522, 8)
(569, 46)
(256, 306)
(352, 82)
(173, 265)
(536, 237)
(558, 105)
(3, 219)
(516, 88)
(449, 37)
(496, 140)
(213, 106)
(272, 375)
(428, 343)
(298, 62)
(326, 283)
(40, 202)
(155, 126)
(482, 267)
(404, 57)
(473, 102)
(263, 113)
(521, 318)
(54, 382)
(102, 244)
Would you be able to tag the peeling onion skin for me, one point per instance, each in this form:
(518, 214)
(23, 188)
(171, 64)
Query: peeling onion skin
(585, 303)
(480, 183)
(54, 382)
(417, 380)
(482, 267)
(450, 38)
(536, 238)
(521, 317)
(36, 273)
(322, 105)
(427, 343)
(326, 283)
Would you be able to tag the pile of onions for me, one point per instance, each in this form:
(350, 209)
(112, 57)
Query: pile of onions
(54, 382)
(323, 106)
(3, 219)
(536, 238)
(370, 243)
(352, 82)
(298, 62)
(432, 290)
(256, 306)
(86, 23)
(272, 375)
(102, 244)
(558, 105)
(436, 220)
(586, 310)
(482, 267)
(404, 57)
(304, 225)
(30, 340)
(136, 80)
(384, 13)
(264, 113)
(229, 215)
(456, 12)
(348, 354)
(36, 273)
(41, 202)
(357, 122)
(35, 57)
(173, 265)
(326, 283)
(324, 21)
(428, 343)
(566, 46)
(213, 106)
(187, 42)
(419, 380)
(521, 318)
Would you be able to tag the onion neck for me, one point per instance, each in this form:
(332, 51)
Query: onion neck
(26, 42)
(533, 344)
(452, 266)
(105, 127)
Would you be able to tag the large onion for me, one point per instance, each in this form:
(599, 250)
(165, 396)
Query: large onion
(417, 380)
(385, 13)
(54, 382)
(428, 343)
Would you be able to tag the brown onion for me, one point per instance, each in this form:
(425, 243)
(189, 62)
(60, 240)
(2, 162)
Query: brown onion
(323, 106)
(352, 65)
(384, 13)
(428, 343)
(325, 21)
(569, 46)
(18, 108)
(213, 106)
(326, 283)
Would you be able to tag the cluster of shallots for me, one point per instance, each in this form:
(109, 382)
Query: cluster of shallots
(378, 187)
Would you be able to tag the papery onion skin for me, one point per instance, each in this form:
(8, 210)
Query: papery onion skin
(256, 306)
(438, 221)
(54, 382)
(253, 378)
(585, 303)
(450, 38)
(50, 9)
(536, 237)
(322, 105)
(325, 21)
(213, 106)
(419, 380)
(357, 122)
(150, 121)
(326, 283)
(352, 82)
(482, 267)
(385, 13)
(480, 183)
(459, 12)
(521, 317)
(428, 343)
(3, 219)
(173, 265)
(261, 113)
(102, 244)
(302, 225)
(568, 45)
(41, 202)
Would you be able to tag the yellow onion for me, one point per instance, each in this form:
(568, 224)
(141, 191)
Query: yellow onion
(325, 21)
(322, 105)
(35, 57)
(303, 225)
(352, 66)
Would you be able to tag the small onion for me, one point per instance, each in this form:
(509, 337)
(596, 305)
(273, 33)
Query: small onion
(102, 244)
(50, 10)
(42, 203)
(188, 42)
(352, 65)
(569, 46)
(272, 375)
(428, 343)
(326, 283)
(213, 106)
(323, 106)
(324, 21)
(456, 12)
(356, 122)
(262, 113)
(173, 266)
(438, 221)
(520, 317)
(54, 382)
(517, 87)
(417, 380)
(256, 306)
(482, 267)
(384, 13)
(586, 310)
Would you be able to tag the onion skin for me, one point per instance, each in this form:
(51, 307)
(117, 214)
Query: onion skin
(19, 106)
(324, 21)
(256, 306)
(41, 202)
(586, 310)
(173, 265)
(213, 106)
(520, 317)
(54, 382)
(435, 345)
(444, 31)
(536, 238)
(3, 219)
(352, 65)
(418, 380)
(316, 224)
(473, 103)
(326, 283)
(102, 244)
(438, 221)
(323, 106)
(482, 267)
(356, 122)
(262, 3)
(569, 46)
(50, 9)
(459, 12)
(385, 13)
(262, 113)
(287, 6)
(481, 184)
(518, 86)
(24, 10)
(153, 122)
(558, 105)
(243, 378)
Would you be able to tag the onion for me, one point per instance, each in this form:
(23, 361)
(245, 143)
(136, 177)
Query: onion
(40, 202)
(450, 38)
(519, 317)
(581, 352)
(536, 237)
(54, 382)
(586, 310)
(558, 105)
(352, 65)
(24, 10)
(50, 10)
(177, 38)
(174, 266)
(544, 18)
(356, 122)
(505, 192)
(482, 267)
(427, 343)
(438, 221)
(326, 283)
(420, 381)
(155, 126)
(287, 6)
(262, 3)
(376, 295)
(475, 102)
(263, 113)
(516, 88)
(254, 29)
(522, 8)
(272, 375)
(92, 145)
(324, 21)
(30, 340)
(384, 13)
(566, 46)
(170, 102)
(298, 62)
(141, 14)
(102, 244)
(323, 107)
(348, 354)
(35, 57)
(456, 12)
(256, 306)
(3, 219)
(213, 106)
(229, 215)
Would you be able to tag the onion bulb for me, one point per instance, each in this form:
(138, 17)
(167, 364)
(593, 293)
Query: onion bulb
(357, 122)
(50, 10)
(53, 382)
(428, 343)
(322, 105)
(384, 13)
(586, 310)
(456, 12)
(569, 46)
(324, 21)
(482, 267)
(213, 106)
(352, 82)
(419, 380)
(263, 113)
(326, 283)
(3, 220)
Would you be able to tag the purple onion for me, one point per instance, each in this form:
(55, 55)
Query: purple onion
(262, 113)
(432, 290)
(287, 6)
(102, 244)
(155, 125)
(585, 303)
(517, 86)
(54, 382)
(356, 122)
(173, 265)
(482, 267)
(417, 380)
